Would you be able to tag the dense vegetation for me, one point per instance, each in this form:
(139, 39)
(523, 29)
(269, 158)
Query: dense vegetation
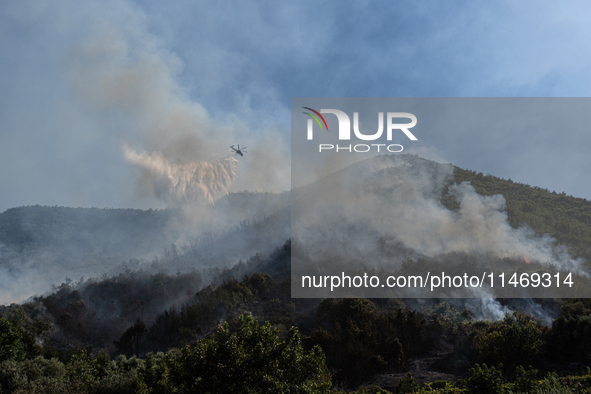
(359, 338)
(251, 359)
(203, 331)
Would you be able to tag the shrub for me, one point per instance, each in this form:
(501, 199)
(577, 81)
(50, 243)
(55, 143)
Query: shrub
(254, 359)
(485, 380)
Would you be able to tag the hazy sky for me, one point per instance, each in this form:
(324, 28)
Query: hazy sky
(80, 80)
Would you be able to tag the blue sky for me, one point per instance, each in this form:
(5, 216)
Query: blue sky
(231, 68)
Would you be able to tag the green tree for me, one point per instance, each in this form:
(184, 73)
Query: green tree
(131, 340)
(11, 345)
(525, 380)
(513, 342)
(38, 375)
(407, 385)
(485, 380)
(252, 360)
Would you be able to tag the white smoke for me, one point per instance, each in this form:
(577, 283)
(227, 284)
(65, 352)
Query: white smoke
(180, 184)
(488, 309)
(479, 226)
(130, 84)
(388, 209)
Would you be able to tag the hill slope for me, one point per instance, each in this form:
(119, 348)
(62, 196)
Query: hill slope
(566, 218)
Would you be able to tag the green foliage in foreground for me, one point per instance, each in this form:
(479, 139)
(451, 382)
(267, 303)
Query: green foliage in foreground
(251, 360)
(490, 380)
(255, 359)
(11, 345)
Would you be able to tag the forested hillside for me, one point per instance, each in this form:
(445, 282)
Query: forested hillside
(566, 218)
(91, 234)
(40, 246)
(149, 330)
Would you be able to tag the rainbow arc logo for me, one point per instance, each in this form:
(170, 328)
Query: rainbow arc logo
(315, 118)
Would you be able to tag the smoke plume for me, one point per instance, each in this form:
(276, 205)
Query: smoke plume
(130, 85)
(387, 210)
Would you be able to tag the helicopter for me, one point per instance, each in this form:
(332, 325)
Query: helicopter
(238, 151)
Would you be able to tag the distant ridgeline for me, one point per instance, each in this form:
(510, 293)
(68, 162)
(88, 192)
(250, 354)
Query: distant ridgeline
(83, 236)
(566, 218)
(101, 238)
(42, 245)
(114, 231)
(84, 233)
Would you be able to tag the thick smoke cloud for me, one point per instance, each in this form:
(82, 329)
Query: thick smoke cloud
(126, 81)
(479, 226)
(138, 81)
(383, 211)
(135, 136)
